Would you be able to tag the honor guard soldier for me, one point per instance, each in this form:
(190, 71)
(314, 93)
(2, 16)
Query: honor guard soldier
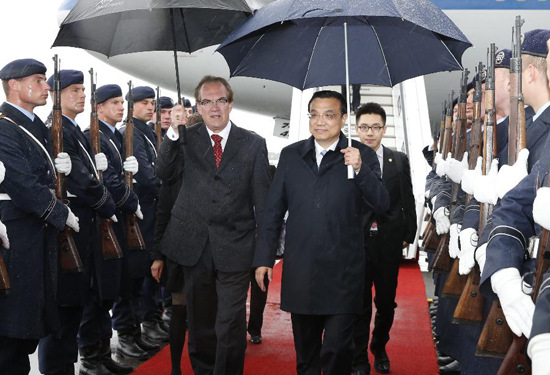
(32, 214)
(95, 329)
(166, 105)
(87, 196)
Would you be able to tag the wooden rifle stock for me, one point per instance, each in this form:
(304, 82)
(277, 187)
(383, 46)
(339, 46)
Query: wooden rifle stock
(496, 336)
(431, 239)
(5, 284)
(455, 282)
(110, 248)
(69, 258)
(134, 238)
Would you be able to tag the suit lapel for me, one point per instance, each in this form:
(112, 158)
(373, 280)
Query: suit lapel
(390, 168)
(204, 146)
(232, 146)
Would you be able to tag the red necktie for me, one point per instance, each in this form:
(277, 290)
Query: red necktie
(217, 148)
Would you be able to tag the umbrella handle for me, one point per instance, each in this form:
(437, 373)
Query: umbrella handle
(351, 173)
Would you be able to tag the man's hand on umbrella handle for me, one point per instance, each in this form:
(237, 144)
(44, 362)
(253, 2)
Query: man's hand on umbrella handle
(352, 157)
(179, 116)
(260, 276)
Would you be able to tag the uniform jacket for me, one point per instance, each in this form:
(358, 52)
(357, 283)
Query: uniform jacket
(324, 258)
(215, 205)
(33, 218)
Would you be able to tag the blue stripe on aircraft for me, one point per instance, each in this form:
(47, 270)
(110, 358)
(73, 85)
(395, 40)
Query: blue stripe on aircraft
(493, 4)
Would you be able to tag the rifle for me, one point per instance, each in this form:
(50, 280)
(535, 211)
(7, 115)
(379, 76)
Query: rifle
(469, 309)
(69, 258)
(158, 127)
(442, 260)
(134, 238)
(110, 248)
(5, 285)
(455, 282)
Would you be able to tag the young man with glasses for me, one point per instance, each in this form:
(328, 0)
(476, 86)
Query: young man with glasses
(324, 262)
(386, 235)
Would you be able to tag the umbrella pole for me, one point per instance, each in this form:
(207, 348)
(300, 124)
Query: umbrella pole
(351, 173)
(175, 56)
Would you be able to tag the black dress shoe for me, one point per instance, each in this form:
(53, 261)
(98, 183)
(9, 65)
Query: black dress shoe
(381, 361)
(444, 360)
(152, 331)
(164, 326)
(256, 339)
(149, 347)
(450, 369)
(128, 348)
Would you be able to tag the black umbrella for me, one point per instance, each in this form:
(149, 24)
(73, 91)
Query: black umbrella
(305, 43)
(115, 27)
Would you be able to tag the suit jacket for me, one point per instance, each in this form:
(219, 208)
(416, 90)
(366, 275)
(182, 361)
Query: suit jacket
(398, 224)
(215, 205)
(324, 258)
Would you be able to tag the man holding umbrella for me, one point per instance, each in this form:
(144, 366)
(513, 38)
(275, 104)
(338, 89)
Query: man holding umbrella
(324, 263)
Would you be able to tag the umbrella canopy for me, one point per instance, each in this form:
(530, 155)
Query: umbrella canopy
(115, 27)
(301, 42)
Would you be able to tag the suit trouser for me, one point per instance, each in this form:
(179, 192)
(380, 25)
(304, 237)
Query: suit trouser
(258, 298)
(323, 342)
(95, 325)
(14, 355)
(384, 277)
(216, 308)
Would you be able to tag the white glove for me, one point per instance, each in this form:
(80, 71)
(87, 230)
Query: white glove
(518, 308)
(468, 244)
(539, 352)
(454, 250)
(2, 172)
(72, 221)
(131, 165)
(481, 255)
(4, 236)
(541, 214)
(455, 168)
(139, 214)
(63, 163)
(101, 162)
(427, 194)
(470, 177)
(442, 223)
(441, 169)
(486, 189)
(114, 219)
(438, 157)
(510, 175)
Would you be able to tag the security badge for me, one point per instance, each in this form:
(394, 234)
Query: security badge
(499, 58)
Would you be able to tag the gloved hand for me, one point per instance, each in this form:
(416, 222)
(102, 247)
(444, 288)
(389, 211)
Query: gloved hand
(72, 221)
(486, 190)
(441, 169)
(454, 250)
(63, 163)
(131, 165)
(101, 162)
(510, 175)
(518, 307)
(539, 352)
(541, 213)
(438, 157)
(4, 236)
(114, 219)
(470, 177)
(442, 223)
(139, 214)
(468, 244)
(2, 172)
(455, 168)
(481, 255)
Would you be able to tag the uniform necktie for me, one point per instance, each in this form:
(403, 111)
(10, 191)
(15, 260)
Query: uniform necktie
(217, 148)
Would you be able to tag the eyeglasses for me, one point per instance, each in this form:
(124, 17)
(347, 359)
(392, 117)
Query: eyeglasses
(221, 102)
(329, 116)
(366, 128)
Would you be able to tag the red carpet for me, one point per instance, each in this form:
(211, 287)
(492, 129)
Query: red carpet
(410, 349)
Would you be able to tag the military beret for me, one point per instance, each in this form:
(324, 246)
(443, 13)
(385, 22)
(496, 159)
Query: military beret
(187, 103)
(502, 58)
(67, 78)
(166, 102)
(107, 92)
(534, 42)
(21, 68)
(142, 92)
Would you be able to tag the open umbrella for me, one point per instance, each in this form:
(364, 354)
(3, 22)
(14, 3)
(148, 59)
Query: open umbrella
(115, 27)
(307, 43)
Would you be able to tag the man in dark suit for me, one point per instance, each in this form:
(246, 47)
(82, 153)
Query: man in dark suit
(212, 228)
(386, 235)
(324, 261)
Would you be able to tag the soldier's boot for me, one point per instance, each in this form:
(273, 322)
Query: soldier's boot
(128, 348)
(108, 362)
(90, 361)
(67, 370)
(151, 330)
